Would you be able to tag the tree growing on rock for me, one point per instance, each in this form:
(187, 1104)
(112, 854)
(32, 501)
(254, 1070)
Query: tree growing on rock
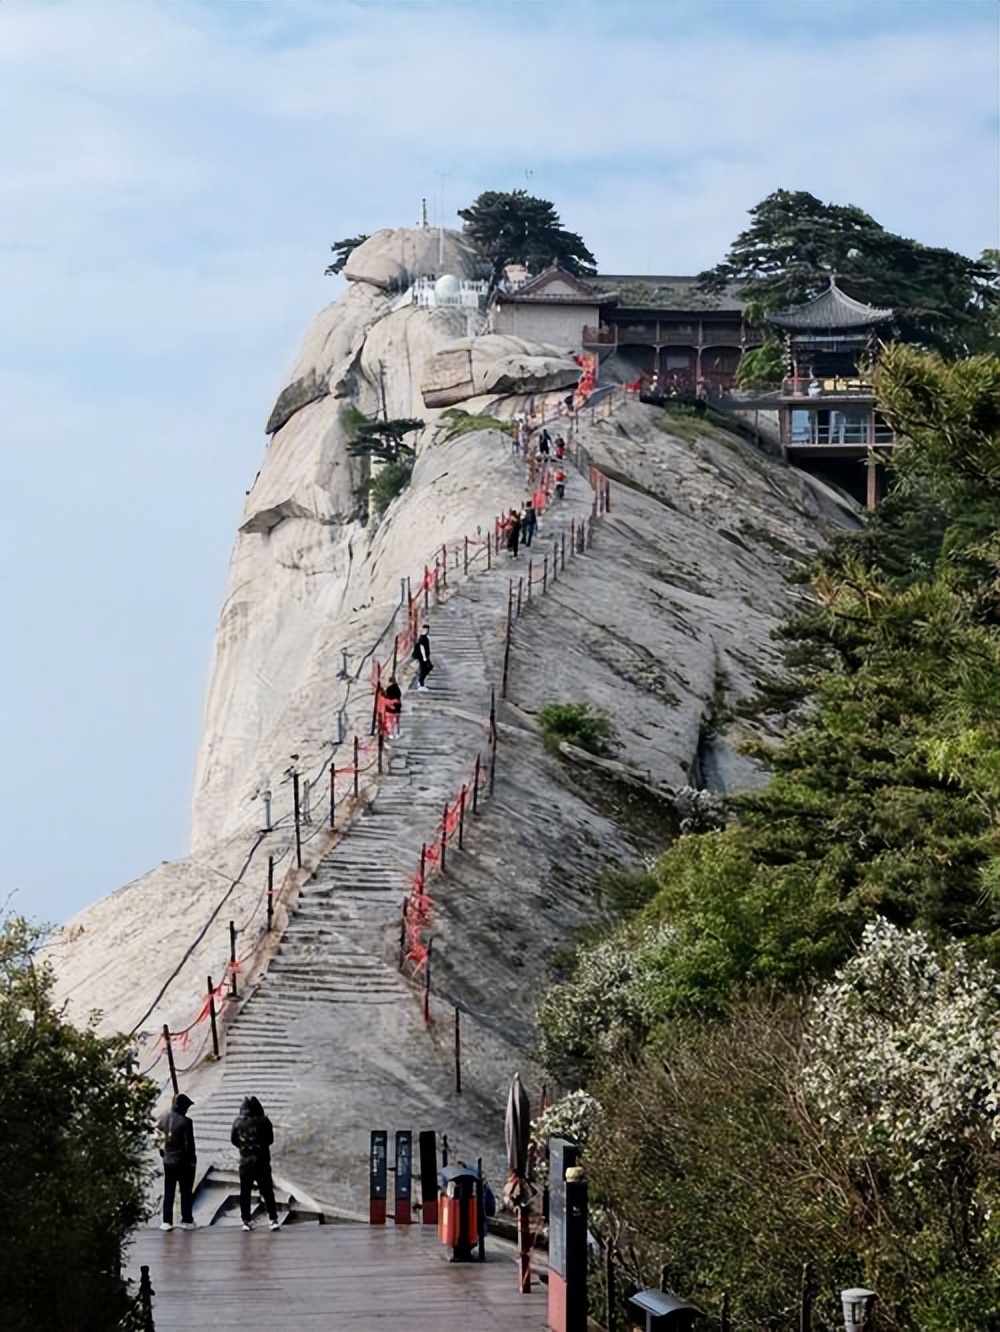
(795, 242)
(342, 251)
(74, 1132)
(514, 227)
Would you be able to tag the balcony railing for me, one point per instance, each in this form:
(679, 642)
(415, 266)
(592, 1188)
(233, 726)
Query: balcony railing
(837, 387)
(844, 434)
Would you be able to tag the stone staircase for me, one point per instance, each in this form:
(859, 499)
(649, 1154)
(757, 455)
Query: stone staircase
(333, 997)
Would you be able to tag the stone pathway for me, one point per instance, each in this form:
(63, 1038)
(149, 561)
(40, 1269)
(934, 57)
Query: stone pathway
(332, 1040)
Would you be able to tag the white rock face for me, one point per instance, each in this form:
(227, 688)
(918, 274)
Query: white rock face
(677, 604)
(496, 363)
(395, 257)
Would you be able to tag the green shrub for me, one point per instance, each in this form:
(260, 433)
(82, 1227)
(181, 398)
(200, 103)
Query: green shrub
(389, 482)
(577, 724)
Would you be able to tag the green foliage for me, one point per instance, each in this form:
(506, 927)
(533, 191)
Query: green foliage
(455, 422)
(388, 482)
(74, 1131)
(372, 437)
(747, 1129)
(604, 1012)
(513, 227)
(575, 723)
(794, 242)
(761, 367)
(342, 251)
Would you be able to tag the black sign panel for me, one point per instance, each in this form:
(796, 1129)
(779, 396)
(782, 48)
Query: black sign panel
(404, 1165)
(562, 1155)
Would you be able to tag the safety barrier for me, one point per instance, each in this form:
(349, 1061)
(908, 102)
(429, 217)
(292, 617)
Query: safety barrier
(220, 1002)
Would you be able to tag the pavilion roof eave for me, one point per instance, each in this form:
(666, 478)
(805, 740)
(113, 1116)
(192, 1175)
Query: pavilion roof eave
(829, 311)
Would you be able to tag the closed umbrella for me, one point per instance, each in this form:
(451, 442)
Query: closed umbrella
(517, 1132)
(517, 1128)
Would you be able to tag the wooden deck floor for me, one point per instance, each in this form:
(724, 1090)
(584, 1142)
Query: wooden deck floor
(311, 1278)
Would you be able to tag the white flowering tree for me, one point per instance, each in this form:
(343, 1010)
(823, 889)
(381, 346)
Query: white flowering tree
(572, 1117)
(899, 1080)
(604, 1011)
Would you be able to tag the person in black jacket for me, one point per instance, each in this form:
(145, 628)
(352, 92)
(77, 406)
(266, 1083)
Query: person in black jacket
(422, 656)
(253, 1134)
(179, 1161)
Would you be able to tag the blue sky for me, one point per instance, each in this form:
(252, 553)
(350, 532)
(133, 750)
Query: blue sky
(171, 178)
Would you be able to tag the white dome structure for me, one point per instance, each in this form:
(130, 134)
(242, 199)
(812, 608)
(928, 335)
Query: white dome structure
(447, 290)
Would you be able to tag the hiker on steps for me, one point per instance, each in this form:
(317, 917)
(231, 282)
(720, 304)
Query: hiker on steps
(514, 532)
(179, 1161)
(253, 1135)
(422, 656)
(529, 521)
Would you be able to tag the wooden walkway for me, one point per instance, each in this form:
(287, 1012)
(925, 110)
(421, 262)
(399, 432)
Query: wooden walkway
(330, 1278)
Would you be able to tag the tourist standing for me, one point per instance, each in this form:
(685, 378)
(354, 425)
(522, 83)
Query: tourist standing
(422, 656)
(253, 1134)
(179, 1161)
(514, 532)
(529, 522)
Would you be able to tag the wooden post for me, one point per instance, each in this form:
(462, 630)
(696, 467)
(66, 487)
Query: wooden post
(529, 580)
(437, 577)
(545, 574)
(333, 792)
(461, 818)
(466, 568)
(270, 894)
(395, 654)
(170, 1058)
(609, 1284)
(444, 565)
(232, 958)
(506, 650)
(298, 820)
(211, 1014)
(808, 1294)
(409, 598)
(489, 560)
(563, 550)
(555, 558)
(458, 1066)
(524, 1253)
(427, 982)
(444, 836)
(493, 761)
(572, 535)
(475, 788)
(423, 862)
(520, 588)
(607, 496)
(355, 765)
(402, 933)
(381, 748)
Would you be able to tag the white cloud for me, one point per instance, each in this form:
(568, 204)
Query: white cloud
(173, 175)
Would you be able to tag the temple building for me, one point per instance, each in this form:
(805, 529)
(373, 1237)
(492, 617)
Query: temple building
(667, 330)
(826, 408)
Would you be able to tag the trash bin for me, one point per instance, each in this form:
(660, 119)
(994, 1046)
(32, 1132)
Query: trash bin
(458, 1214)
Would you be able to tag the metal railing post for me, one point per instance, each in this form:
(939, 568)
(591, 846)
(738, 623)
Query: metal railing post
(232, 959)
(170, 1058)
(211, 1014)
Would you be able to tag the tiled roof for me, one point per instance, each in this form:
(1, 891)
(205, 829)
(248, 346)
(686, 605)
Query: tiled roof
(667, 292)
(832, 309)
